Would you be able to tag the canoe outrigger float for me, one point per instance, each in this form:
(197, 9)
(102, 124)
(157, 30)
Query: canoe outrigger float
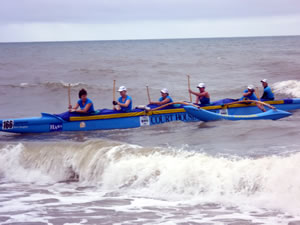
(144, 116)
(205, 115)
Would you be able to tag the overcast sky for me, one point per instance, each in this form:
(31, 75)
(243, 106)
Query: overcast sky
(63, 20)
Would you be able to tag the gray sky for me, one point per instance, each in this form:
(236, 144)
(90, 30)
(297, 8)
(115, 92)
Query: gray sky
(60, 20)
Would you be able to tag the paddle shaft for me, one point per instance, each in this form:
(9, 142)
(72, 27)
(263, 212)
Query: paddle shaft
(114, 90)
(148, 94)
(257, 93)
(69, 94)
(189, 87)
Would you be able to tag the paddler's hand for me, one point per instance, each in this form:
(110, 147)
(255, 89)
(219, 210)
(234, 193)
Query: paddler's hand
(70, 107)
(115, 103)
(190, 91)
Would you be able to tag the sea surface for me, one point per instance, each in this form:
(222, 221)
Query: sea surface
(235, 173)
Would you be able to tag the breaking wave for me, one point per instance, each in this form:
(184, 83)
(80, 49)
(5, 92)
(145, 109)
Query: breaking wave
(288, 87)
(47, 84)
(271, 181)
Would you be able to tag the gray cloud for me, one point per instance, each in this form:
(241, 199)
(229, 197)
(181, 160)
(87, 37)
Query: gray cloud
(117, 11)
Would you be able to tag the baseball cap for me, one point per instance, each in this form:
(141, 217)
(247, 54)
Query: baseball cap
(122, 88)
(264, 80)
(165, 91)
(251, 87)
(201, 85)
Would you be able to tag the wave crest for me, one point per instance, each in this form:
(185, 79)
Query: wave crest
(288, 87)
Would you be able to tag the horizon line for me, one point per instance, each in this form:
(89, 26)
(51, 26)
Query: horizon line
(150, 39)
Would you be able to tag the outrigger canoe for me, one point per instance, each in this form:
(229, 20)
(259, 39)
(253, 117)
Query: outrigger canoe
(109, 119)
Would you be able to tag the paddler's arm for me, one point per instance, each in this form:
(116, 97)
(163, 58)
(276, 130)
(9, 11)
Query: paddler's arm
(86, 108)
(198, 93)
(126, 104)
(165, 101)
(247, 94)
(73, 109)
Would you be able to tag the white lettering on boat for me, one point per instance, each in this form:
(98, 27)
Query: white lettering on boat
(56, 127)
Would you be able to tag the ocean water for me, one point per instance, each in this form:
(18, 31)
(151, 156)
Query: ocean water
(237, 173)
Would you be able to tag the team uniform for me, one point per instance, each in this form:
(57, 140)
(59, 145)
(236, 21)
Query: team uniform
(168, 97)
(88, 101)
(250, 97)
(268, 94)
(129, 107)
(204, 101)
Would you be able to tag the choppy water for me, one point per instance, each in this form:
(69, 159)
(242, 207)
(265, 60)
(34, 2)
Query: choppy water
(243, 172)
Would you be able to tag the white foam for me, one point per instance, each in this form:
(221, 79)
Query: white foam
(288, 87)
(174, 175)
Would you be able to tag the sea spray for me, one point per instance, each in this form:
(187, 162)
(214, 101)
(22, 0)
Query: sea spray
(288, 87)
(158, 172)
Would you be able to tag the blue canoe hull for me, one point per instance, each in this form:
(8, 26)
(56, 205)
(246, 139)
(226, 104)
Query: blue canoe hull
(138, 118)
(206, 116)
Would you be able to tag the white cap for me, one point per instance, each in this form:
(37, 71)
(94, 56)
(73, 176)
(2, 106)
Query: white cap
(201, 85)
(264, 80)
(164, 90)
(122, 88)
(251, 87)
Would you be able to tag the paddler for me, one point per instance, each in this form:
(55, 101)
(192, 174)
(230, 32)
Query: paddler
(249, 94)
(85, 104)
(202, 96)
(164, 99)
(124, 103)
(268, 94)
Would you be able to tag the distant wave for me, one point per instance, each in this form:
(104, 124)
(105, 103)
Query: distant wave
(288, 87)
(47, 84)
(165, 173)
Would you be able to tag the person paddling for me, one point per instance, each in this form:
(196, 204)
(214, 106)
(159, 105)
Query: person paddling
(249, 94)
(268, 94)
(202, 96)
(85, 104)
(124, 103)
(164, 99)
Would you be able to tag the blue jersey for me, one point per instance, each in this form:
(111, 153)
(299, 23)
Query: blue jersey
(168, 97)
(204, 101)
(129, 107)
(250, 97)
(268, 94)
(82, 106)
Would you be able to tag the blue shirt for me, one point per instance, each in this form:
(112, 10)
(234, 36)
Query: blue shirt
(129, 107)
(268, 94)
(250, 97)
(80, 103)
(204, 101)
(168, 97)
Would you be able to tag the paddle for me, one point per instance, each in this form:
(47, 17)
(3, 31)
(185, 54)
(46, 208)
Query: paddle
(189, 88)
(257, 93)
(114, 90)
(148, 93)
(69, 94)
(261, 107)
